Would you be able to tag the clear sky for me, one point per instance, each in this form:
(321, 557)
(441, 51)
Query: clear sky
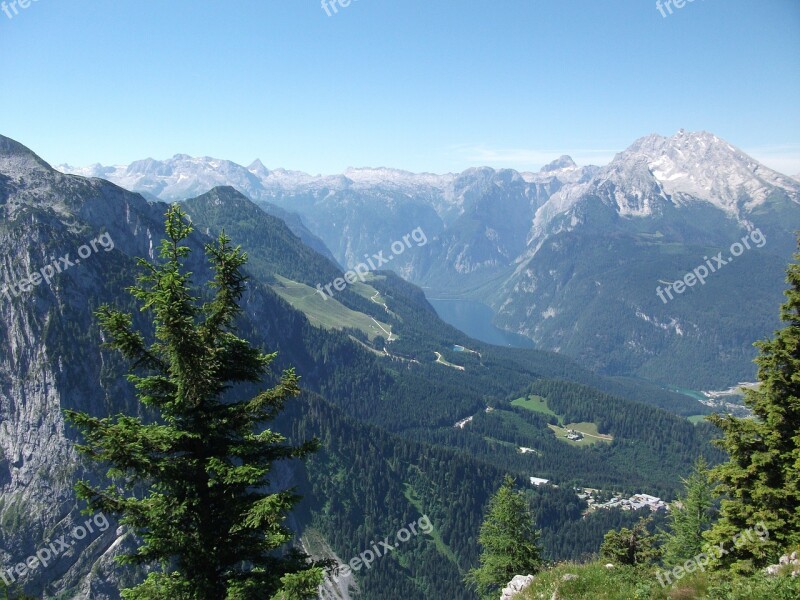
(423, 85)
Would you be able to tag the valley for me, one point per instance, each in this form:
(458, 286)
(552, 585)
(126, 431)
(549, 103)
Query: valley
(552, 258)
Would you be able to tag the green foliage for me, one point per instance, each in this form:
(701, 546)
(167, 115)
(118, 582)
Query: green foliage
(355, 487)
(636, 546)
(694, 516)
(365, 483)
(509, 541)
(593, 581)
(202, 469)
(761, 481)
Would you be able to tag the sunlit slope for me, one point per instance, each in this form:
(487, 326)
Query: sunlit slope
(328, 312)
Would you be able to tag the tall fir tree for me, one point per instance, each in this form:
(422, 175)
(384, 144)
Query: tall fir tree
(691, 518)
(510, 542)
(201, 472)
(761, 480)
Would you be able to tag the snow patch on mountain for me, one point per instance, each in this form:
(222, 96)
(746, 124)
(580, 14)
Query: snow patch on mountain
(705, 167)
(682, 169)
(560, 164)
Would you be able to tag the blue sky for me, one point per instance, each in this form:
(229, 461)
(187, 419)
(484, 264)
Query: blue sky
(434, 85)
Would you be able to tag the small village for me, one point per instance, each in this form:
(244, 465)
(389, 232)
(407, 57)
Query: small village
(591, 495)
(635, 502)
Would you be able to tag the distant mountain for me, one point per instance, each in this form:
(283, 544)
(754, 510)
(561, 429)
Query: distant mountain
(537, 247)
(598, 250)
(362, 211)
(182, 177)
(223, 206)
(684, 170)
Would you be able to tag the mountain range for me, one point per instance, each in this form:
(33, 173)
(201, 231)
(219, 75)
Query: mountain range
(386, 382)
(570, 256)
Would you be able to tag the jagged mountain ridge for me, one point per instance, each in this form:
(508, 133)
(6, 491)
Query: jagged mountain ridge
(361, 210)
(486, 228)
(688, 168)
(683, 170)
(51, 357)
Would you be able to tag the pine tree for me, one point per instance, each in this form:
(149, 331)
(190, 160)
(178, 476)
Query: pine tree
(635, 546)
(761, 480)
(509, 540)
(192, 484)
(693, 517)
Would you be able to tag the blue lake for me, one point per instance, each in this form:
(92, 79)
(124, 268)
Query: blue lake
(475, 319)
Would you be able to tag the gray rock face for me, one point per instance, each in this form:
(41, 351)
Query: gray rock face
(563, 162)
(51, 359)
(788, 563)
(515, 586)
(483, 215)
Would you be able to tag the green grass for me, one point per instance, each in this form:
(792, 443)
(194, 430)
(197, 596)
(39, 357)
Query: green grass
(591, 435)
(595, 582)
(327, 313)
(367, 291)
(695, 419)
(535, 404)
(492, 440)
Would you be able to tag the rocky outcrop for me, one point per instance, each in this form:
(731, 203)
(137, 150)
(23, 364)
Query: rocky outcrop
(788, 563)
(515, 586)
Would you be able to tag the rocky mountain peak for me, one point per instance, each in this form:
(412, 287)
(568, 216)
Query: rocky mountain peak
(17, 160)
(257, 168)
(702, 166)
(563, 162)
